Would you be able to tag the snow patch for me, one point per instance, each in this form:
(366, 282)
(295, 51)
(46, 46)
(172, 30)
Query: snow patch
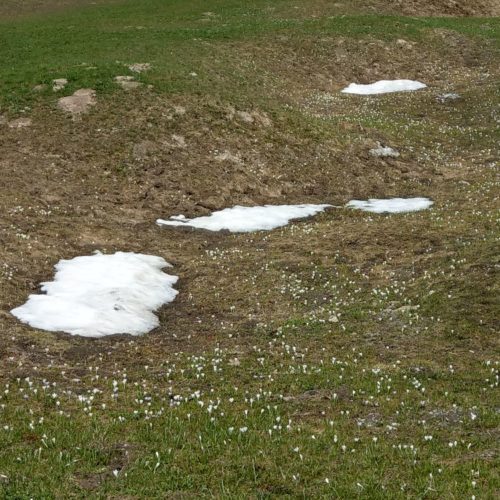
(246, 219)
(392, 205)
(384, 152)
(384, 87)
(99, 295)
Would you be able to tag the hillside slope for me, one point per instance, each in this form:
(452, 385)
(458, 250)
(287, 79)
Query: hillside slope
(349, 355)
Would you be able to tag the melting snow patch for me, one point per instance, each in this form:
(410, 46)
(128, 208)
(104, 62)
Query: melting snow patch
(246, 219)
(99, 295)
(393, 205)
(384, 87)
(384, 152)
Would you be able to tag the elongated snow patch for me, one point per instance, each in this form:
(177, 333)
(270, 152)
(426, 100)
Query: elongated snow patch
(99, 295)
(393, 205)
(384, 87)
(246, 219)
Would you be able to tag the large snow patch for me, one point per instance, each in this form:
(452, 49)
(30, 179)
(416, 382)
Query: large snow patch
(392, 205)
(100, 295)
(246, 219)
(384, 87)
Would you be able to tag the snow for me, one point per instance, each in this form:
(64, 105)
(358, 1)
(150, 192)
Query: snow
(384, 152)
(392, 205)
(246, 219)
(99, 295)
(384, 87)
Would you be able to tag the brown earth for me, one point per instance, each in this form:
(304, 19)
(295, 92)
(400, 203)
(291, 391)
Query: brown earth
(72, 187)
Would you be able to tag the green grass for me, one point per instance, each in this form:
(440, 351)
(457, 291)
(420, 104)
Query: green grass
(172, 36)
(372, 368)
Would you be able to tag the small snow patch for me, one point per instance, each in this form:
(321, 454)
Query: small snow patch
(392, 205)
(384, 152)
(99, 295)
(384, 87)
(246, 219)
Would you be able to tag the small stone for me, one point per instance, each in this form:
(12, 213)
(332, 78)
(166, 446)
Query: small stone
(79, 102)
(403, 44)
(59, 84)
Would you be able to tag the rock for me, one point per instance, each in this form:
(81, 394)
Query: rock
(127, 82)
(59, 84)
(40, 88)
(20, 123)
(139, 67)
(79, 102)
(403, 44)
